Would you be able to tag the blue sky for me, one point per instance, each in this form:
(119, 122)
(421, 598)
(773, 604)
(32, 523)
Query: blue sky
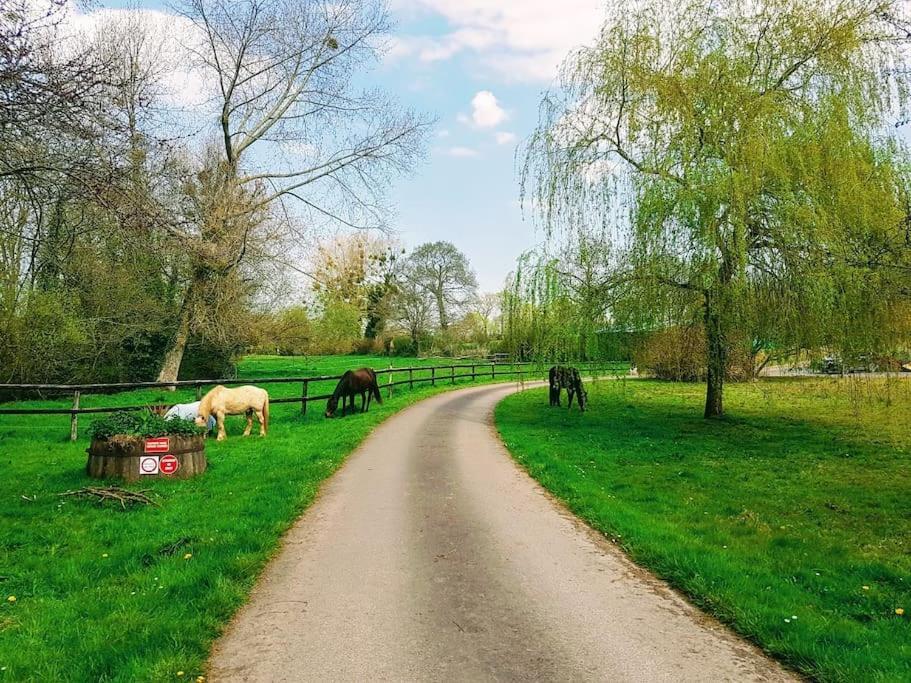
(442, 55)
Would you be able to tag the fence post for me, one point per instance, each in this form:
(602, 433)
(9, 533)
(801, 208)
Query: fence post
(433, 376)
(493, 371)
(198, 391)
(474, 375)
(452, 373)
(389, 388)
(305, 389)
(74, 418)
(411, 378)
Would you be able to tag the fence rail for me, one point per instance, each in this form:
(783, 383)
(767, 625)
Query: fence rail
(437, 373)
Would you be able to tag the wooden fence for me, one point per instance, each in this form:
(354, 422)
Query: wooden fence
(438, 374)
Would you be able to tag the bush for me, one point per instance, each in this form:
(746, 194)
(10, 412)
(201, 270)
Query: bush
(679, 354)
(141, 424)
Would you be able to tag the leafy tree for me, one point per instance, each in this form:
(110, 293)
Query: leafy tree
(738, 153)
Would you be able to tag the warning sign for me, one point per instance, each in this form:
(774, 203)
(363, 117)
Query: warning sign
(160, 445)
(148, 464)
(169, 464)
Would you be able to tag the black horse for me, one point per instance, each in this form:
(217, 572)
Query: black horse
(562, 377)
(352, 383)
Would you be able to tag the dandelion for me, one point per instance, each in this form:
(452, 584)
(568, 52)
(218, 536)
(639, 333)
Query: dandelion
(794, 617)
(188, 556)
(899, 611)
(787, 621)
(11, 598)
(866, 588)
(180, 674)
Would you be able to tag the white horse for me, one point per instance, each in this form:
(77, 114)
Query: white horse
(247, 400)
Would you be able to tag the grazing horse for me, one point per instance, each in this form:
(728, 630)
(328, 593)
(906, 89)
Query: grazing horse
(352, 383)
(222, 401)
(562, 377)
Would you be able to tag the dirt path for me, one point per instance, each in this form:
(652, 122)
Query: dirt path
(431, 556)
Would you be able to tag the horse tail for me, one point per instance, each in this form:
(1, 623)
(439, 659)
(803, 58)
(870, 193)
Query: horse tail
(266, 414)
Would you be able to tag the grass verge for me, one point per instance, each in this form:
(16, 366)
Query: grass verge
(105, 594)
(788, 520)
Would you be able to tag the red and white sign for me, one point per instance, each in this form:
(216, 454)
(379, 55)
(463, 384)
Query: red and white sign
(168, 464)
(160, 445)
(148, 464)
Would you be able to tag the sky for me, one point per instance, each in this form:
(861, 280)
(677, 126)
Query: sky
(479, 68)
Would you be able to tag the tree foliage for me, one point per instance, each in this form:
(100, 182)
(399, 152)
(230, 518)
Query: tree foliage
(738, 155)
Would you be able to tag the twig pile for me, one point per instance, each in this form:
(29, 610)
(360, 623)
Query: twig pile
(122, 496)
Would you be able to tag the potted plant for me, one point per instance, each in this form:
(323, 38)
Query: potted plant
(135, 446)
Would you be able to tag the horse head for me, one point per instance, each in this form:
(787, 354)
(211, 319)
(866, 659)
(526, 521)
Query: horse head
(331, 406)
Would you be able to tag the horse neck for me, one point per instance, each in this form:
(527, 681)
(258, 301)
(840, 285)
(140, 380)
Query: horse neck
(205, 406)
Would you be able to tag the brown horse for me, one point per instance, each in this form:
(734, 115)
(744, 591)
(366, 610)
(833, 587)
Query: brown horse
(352, 383)
(562, 377)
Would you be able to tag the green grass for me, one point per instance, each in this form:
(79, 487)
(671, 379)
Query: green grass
(775, 519)
(105, 594)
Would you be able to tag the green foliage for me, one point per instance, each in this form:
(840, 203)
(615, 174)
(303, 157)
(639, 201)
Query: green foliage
(142, 424)
(338, 329)
(790, 508)
(733, 161)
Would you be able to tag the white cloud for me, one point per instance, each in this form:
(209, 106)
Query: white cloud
(505, 138)
(462, 152)
(443, 133)
(486, 112)
(524, 40)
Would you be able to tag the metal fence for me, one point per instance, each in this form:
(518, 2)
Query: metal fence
(437, 374)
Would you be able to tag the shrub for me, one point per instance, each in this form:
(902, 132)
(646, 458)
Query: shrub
(141, 424)
(679, 354)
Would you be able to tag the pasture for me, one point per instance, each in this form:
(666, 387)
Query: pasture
(123, 595)
(788, 519)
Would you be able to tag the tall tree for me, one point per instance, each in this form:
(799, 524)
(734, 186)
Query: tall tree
(746, 144)
(292, 126)
(443, 272)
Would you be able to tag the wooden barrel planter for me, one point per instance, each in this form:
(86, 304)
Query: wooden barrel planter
(132, 457)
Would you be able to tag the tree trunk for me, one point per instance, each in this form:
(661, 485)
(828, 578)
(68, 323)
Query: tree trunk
(441, 310)
(170, 366)
(717, 360)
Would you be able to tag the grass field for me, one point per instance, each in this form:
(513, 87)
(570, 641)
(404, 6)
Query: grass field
(789, 520)
(105, 594)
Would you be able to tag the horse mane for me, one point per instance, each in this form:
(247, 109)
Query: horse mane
(341, 385)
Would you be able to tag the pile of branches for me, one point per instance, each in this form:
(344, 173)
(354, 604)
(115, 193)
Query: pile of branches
(115, 493)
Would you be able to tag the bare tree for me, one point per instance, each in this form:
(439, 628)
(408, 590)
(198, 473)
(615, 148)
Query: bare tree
(413, 308)
(291, 126)
(444, 273)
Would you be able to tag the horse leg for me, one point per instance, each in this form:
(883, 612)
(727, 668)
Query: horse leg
(369, 396)
(249, 426)
(363, 401)
(569, 393)
(260, 415)
(220, 421)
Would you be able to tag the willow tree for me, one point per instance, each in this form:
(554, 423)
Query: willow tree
(745, 147)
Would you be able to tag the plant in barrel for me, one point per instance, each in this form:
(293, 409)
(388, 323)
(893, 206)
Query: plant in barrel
(131, 446)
